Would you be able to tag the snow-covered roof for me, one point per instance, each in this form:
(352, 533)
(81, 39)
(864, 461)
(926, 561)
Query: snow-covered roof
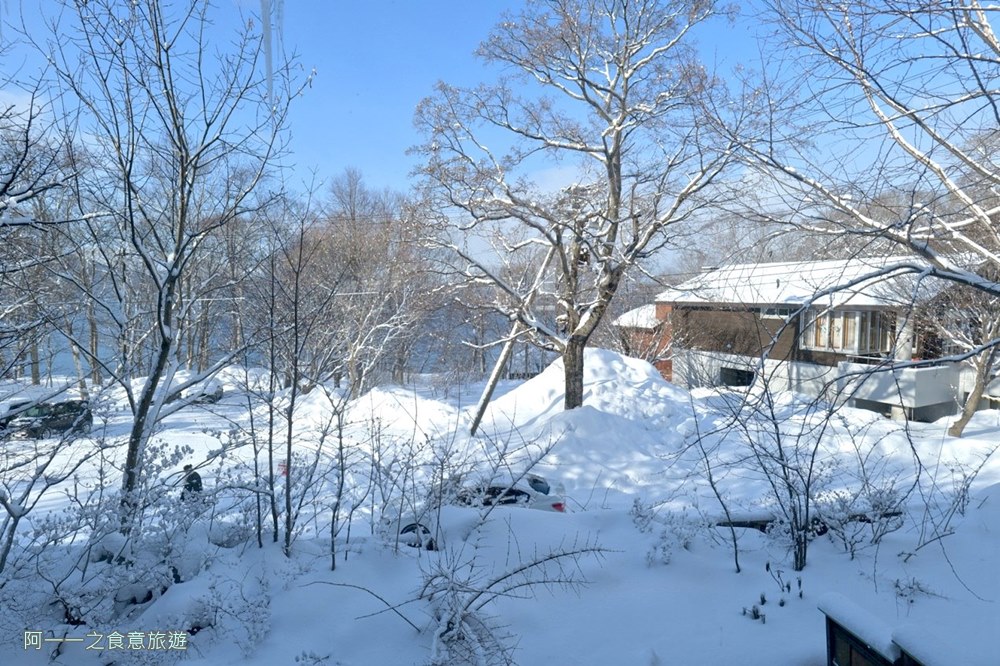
(643, 317)
(796, 283)
(955, 639)
(875, 632)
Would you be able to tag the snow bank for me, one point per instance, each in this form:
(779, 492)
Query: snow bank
(931, 649)
(258, 607)
(612, 383)
(404, 412)
(611, 447)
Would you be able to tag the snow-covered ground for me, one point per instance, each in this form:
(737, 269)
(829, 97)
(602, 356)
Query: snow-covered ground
(654, 581)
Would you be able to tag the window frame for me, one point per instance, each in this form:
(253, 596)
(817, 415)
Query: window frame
(870, 332)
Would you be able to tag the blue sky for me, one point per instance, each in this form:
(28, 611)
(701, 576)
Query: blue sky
(375, 60)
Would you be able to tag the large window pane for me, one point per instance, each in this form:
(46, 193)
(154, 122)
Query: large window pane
(837, 331)
(887, 329)
(850, 331)
(822, 332)
(808, 329)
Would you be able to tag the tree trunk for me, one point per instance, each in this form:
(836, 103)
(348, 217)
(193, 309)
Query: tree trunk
(800, 550)
(289, 439)
(144, 417)
(984, 365)
(271, 389)
(491, 383)
(353, 375)
(138, 435)
(573, 371)
(95, 345)
(81, 376)
(204, 339)
(36, 364)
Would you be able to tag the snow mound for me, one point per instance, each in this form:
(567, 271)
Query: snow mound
(612, 447)
(606, 459)
(612, 383)
(404, 412)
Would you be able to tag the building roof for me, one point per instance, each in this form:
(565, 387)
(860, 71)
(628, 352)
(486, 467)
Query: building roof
(643, 317)
(798, 282)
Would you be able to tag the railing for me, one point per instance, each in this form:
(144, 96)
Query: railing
(899, 383)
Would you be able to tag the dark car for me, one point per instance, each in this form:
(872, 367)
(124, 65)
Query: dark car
(8, 413)
(46, 419)
(209, 394)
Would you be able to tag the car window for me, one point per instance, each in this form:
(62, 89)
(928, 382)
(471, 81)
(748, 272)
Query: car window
(538, 484)
(502, 495)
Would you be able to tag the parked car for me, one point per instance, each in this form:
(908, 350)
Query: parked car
(207, 393)
(9, 412)
(411, 524)
(532, 491)
(46, 419)
(415, 523)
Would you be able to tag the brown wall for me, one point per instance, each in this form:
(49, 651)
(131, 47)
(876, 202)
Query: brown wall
(743, 332)
(654, 344)
(740, 331)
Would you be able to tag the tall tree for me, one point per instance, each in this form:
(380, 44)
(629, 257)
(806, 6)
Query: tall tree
(610, 90)
(182, 133)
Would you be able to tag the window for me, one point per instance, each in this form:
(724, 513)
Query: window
(844, 331)
(735, 377)
(878, 329)
(820, 338)
(776, 313)
(850, 329)
(808, 329)
(816, 333)
(849, 332)
(846, 649)
(852, 653)
(837, 331)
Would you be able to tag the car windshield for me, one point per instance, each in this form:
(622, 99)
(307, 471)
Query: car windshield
(538, 484)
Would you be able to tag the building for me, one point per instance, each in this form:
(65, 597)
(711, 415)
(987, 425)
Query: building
(857, 637)
(841, 329)
(645, 334)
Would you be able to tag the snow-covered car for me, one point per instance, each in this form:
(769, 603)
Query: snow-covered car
(46, 419)
(207, 393)
(531, 491)
(411, 524)
(11, 411)
(415, 523)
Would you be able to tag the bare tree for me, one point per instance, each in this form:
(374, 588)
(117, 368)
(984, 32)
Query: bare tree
(32, 166)
(901, 95)
(374, 242)
(965, 322)
(612, 92)
(301, 319)
(30, 471)
(30, 155)
(180, 143)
